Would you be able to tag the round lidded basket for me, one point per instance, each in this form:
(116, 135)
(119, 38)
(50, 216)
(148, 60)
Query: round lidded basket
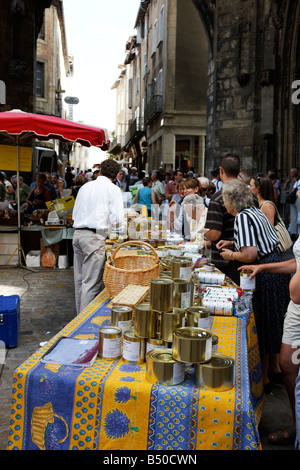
(132, 268)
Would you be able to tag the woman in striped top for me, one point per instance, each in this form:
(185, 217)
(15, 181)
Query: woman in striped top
(255, 242)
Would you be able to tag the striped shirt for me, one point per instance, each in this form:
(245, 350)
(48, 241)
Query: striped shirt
(218, 219)
(252, 228)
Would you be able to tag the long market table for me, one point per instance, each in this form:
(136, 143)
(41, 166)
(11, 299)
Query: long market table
(111, 405)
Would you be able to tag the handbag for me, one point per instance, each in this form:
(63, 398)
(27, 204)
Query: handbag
(291, 198)
(282, 233)
(285, 241)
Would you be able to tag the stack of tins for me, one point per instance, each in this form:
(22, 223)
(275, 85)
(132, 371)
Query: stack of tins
(170, 333)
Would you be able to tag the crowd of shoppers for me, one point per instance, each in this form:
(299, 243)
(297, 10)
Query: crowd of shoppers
(233, 213)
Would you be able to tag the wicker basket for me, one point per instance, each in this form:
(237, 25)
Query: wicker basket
(132, 268)
(131, 296)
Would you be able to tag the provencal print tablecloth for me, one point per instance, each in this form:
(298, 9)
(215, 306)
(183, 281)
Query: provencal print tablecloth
(111, 406)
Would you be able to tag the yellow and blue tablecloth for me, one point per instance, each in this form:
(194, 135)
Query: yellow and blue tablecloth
(111, 406)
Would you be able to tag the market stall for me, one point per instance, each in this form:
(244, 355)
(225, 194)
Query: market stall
(115, 403)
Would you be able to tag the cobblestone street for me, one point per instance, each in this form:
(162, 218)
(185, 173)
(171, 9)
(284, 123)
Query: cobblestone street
(47, 305)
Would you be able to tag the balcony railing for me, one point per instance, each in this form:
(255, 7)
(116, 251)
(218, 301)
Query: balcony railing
(135, 128)
(153, 109)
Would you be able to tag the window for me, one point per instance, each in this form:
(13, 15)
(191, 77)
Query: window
(41, 34)
(161, 24)
(160, 83)
(154, 42)
(145, 63)
(40, 79)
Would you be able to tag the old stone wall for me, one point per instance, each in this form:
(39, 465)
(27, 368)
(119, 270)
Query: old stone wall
(252, 64)
(20, 22)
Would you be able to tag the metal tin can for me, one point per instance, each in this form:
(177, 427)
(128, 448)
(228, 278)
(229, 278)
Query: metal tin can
(199, 317)
(196, 298)
(162, 251)
(181, 267)
(154, 343)
(121, 316)
(133, 348)
(245, 282)
(181, 293)
(145, 321)
(175, 251)
(161, 290)
(161, 367)
(172, 320)
(209, 267)
(217, 374)
(192, 345)
(215, 344)
(211, 277)
(110, 342)
(218, 307)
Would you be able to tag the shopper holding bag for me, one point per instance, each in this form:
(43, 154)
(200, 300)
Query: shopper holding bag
(255, 242)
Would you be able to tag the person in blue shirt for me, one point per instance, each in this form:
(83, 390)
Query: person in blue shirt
(146, 195)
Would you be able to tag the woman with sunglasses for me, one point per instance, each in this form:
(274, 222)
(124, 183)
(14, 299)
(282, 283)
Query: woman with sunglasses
(262, 188)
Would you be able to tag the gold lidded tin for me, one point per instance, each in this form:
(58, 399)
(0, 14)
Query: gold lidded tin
(162, 368)
(145, 321)
(161, 290)
(217, 374)
(162, 251)
(196, 298)
(198, 316)
(154, 343)
(215, 344)
(121, 316)
(181, 293)
(172, 320)
(110, 342)
(175, 250)
(245, 282)
(181, 267)
(192, 345)
(133, 348)
(209, 267)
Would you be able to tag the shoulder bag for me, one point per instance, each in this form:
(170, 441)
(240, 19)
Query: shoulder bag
(292, 196)
(285, 241)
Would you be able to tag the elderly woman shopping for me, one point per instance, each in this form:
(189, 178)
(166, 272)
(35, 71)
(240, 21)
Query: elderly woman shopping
(255, 242)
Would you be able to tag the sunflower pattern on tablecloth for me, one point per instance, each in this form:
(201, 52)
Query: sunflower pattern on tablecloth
(112, 406)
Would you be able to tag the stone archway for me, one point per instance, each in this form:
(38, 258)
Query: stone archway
(253, 60)
(287, 113)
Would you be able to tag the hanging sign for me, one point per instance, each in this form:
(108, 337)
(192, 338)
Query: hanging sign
(8, 158)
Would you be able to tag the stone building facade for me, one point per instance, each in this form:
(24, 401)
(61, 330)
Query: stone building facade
(253, 65)
(27, 41)
(251, 76)
(163, 88)
(20, 23)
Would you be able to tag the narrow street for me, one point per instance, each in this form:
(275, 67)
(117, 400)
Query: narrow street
(47, 305)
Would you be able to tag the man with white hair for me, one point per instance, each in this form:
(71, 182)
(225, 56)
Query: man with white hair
(194, 220)
(23, 188)
(133, 177)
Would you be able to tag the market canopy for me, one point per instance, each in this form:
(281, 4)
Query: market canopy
(20, 126)
(23, 126)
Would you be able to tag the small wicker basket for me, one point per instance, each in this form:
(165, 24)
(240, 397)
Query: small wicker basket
(132, 268)
(131, 296)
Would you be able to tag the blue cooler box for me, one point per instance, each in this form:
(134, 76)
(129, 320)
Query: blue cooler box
(10, 320)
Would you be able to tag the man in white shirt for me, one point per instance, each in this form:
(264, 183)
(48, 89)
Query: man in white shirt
(98, 208)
